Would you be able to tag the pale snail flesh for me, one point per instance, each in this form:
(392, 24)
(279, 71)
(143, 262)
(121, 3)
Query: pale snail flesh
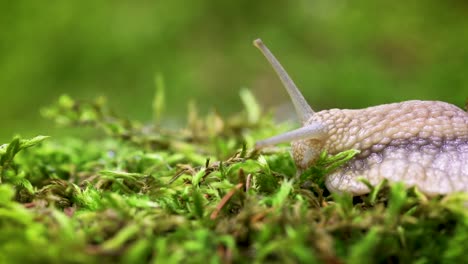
(419, 143)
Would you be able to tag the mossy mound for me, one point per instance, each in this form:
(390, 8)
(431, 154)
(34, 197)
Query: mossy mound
(142, 194)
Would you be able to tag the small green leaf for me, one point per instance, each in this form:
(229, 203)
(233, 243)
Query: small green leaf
(362, 252)
(251, 105)
(66, 101)
(398, 197)
(15, 146)
(26, 143)
(159, 98)
(197, 203)
(137, 252)
(121, 174)
(7, 192)
(344, 204)
(12, 149)
(374, 190)
(280, 197)
(197, 177)
(121, 237)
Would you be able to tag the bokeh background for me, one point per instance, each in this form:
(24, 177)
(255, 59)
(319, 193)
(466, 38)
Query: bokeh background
(343, 54)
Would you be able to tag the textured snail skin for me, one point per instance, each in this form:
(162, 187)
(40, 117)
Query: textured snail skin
(420, 143)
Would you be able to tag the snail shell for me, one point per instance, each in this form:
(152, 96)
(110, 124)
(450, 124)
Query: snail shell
(419, 143)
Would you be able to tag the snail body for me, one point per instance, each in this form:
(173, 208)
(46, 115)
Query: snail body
(419, 143)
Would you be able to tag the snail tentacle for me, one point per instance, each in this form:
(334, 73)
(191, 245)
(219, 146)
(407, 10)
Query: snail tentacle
(311, 131)
(303, 109)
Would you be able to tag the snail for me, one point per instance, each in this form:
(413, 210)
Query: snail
(419, 143)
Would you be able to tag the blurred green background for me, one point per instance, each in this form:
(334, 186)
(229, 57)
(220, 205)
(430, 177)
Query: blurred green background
(342, 54)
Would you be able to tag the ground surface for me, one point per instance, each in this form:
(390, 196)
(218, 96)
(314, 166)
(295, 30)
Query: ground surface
(140, 194)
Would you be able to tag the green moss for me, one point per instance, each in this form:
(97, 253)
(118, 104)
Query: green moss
(142, 194)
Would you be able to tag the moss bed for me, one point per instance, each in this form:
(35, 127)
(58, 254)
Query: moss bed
(134, 193)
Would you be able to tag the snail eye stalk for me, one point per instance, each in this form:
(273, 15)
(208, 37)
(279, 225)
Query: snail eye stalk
(303, 109)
